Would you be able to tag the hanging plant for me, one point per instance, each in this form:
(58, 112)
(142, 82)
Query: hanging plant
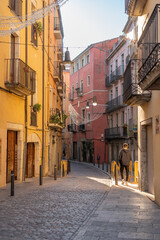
(39, 27)
(37, 107)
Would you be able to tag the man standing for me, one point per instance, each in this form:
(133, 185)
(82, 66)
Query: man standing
(124, 159)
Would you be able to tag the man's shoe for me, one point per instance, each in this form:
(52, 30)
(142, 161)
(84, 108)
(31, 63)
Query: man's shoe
(126, 183)
(122, 181)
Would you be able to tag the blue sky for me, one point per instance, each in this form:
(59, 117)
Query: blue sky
(89, 21)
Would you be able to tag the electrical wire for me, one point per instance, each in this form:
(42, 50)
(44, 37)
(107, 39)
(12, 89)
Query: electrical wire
(15, 24)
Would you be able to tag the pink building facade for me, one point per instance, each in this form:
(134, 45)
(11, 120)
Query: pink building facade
(87, 83)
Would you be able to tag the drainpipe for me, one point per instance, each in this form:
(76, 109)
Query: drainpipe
(26, 61)
(43, 97)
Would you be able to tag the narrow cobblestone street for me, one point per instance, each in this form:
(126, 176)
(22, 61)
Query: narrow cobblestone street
(80, 206)
(54, 211)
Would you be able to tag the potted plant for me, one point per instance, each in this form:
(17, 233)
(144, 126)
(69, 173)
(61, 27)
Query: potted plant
(55, 118)
(39, 27)
(36, 107)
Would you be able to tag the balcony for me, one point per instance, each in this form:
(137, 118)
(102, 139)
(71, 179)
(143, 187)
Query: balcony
(56, 120)
(56, 71)
(58, 28)
(60, 87)
(133, 94)
(149, 71)
(20, 78)
(116, 133)
(59, 52)
(79, 92)
(134, 7)
(72, 128)
(115, 104)
(71, 96)
(81, 128)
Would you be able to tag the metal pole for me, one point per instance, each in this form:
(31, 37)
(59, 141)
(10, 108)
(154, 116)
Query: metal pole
(12, 183)
(55, 172)
(115, 173)
(26, 62)
(41, 175)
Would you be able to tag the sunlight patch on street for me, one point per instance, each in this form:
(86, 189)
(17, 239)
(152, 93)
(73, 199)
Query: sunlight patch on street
(107, 182)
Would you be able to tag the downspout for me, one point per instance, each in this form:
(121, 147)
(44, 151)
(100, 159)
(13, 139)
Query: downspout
(43, 95)
(26, 61)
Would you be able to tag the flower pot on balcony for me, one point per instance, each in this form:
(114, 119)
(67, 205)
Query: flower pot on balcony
(37, 107)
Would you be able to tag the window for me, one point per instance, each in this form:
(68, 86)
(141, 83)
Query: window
(122, 117)
(88, 118)
(116, 66)
(73, 69)
(34, 36)
(83, 115)
(88, 59)
(116, 91)
(76, 85)
(81, 86)
(116, 119)
(16, 6)
(77, 66)
(122, 62)
(72, 92)
(111, 95)
(88, 81)
(82, 62)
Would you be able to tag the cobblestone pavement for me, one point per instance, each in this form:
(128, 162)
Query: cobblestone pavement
(54, 211)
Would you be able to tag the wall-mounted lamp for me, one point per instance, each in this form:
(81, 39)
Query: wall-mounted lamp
(94, 101)
(87, 105)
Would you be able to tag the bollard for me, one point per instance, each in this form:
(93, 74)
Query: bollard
(40, 177)
(69, 166)
(94, 162)
(12, 183)
(107, 167)
(103, 166)
(55, 172)
(98, 163)
(62, 170)
(115, 173)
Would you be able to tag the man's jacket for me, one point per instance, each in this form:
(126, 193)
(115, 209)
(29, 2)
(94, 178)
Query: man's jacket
(125, 157)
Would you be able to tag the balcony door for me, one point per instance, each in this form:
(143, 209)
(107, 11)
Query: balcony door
(12, 62)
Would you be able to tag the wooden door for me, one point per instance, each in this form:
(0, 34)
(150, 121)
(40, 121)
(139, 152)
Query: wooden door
(30, 169)
(11, 155)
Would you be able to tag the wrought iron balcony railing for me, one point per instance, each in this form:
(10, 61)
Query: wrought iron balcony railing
(115, 104)
(72, 128)
(20, 78)
(81, 128)
(58, 28)
(116, 132)
(133, 94)
(71, 96)
(149, 47)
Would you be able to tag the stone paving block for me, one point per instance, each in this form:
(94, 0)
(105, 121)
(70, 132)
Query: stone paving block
(135, 235)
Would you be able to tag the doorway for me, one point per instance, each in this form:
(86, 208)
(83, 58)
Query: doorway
(150, 162)
(11, 155)
(30, 162)
(74, 150)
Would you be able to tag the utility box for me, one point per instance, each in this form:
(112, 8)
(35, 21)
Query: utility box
(64, 165)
